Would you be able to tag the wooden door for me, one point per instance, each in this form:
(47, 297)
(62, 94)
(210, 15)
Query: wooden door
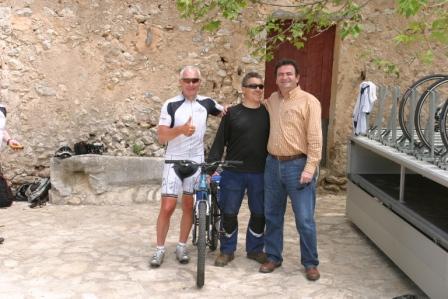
(315, 62)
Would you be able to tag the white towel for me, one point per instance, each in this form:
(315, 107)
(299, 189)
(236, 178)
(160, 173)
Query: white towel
(364, 105)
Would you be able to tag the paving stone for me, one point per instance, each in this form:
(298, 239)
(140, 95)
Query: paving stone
(93, 252)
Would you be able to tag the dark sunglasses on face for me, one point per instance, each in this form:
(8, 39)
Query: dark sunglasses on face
(254, 86)
(190, 80)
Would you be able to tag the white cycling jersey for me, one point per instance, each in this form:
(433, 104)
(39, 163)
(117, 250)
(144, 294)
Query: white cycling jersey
(176, 112)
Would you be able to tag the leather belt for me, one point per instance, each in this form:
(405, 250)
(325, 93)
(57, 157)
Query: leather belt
(288, 158)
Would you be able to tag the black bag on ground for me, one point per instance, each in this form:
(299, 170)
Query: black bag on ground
(21, 192)
(6, 196)
(36, 193)
(83, 148)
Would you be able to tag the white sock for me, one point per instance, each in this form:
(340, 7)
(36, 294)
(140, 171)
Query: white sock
(162, 248)
(181, 244)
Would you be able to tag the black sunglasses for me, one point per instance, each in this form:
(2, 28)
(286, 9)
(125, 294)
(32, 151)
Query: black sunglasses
(254, 86)
(190, 80)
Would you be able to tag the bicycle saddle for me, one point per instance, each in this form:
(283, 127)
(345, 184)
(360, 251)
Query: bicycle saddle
(185, 171)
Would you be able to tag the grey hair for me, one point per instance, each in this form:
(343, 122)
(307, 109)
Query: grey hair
(250, 75)
(189, 68)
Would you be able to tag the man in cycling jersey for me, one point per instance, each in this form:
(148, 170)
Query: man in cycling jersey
(182, 126)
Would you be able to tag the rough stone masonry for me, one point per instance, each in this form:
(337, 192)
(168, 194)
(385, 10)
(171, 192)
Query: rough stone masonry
(100, 70)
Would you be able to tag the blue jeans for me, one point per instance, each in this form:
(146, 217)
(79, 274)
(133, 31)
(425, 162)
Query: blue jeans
(233, 186)
(282, 178)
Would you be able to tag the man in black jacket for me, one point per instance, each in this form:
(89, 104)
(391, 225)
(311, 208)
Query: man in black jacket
(244, 132)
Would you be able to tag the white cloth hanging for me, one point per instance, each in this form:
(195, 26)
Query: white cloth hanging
(364, 105)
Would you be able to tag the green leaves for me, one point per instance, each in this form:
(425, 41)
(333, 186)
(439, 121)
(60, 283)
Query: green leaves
(387, 67)
(429, 30)
(439, 29)
(349, 28)
(427, 23)
(197, 9)
(212, 26)
(426, 56)
(410, 7)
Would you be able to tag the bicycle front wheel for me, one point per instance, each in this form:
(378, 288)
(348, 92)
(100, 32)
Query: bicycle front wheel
(202, 243)
(215, 218)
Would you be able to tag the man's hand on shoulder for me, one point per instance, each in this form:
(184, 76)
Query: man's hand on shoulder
(224, 110)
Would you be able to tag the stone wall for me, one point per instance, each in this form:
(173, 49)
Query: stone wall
(100, 180)
(100, 71)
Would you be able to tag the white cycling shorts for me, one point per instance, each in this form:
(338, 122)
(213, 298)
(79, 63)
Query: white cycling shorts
(172, 185)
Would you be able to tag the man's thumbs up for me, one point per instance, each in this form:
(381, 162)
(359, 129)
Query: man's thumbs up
(189, 128)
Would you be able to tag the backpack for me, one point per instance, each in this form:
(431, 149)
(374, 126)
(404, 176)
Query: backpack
(6, 196)
(83, 148)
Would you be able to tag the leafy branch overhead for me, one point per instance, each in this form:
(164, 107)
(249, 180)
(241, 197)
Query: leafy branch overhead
(427, 20)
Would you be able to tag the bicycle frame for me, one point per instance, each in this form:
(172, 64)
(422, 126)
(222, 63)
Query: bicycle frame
(202, 191)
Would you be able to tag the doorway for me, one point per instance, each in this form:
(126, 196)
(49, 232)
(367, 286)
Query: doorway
(315, 61)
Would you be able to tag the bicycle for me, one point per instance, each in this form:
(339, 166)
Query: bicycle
(206, 213)
(418, 87)
(423, 113)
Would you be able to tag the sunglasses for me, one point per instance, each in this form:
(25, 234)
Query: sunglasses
(190, 80)
(254, 86)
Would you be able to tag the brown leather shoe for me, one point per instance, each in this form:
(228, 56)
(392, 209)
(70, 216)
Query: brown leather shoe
(269, 266)
(312, 273)
(258, 256)
(223, 259)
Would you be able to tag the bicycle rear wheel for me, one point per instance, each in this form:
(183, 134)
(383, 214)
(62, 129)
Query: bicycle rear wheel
(418, 86)
(423, 113)
(444, 125)
(200, 275)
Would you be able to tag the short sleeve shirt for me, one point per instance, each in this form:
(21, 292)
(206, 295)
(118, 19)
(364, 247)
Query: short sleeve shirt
(176, 112)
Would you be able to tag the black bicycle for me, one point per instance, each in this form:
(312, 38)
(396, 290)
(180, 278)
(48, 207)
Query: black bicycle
(206, 213)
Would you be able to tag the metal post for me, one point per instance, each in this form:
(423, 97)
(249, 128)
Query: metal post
(402, 183)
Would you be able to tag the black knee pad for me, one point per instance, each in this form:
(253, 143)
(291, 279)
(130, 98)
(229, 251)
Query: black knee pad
(229, 223)
(256, 223)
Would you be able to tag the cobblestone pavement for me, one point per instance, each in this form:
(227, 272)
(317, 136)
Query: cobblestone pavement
(94, 252)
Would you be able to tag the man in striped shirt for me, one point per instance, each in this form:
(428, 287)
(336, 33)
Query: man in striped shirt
(295, 148)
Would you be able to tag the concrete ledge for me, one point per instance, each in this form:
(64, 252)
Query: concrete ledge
(100, 179)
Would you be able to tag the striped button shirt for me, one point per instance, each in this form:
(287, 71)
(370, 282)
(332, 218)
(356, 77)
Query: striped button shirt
(295, 126)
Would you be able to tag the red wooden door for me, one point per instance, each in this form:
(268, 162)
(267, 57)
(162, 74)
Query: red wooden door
(315, 62)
